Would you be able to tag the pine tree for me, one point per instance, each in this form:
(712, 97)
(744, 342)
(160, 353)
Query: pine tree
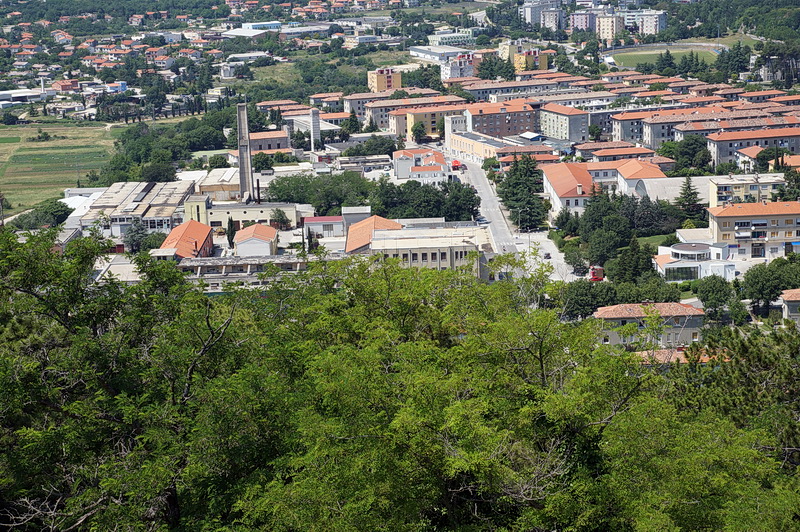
(230, 232)
(687, 201)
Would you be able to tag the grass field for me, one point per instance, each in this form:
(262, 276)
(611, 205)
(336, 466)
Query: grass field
(654, 240)
(728, 40)
(34, 171)
(650, 55)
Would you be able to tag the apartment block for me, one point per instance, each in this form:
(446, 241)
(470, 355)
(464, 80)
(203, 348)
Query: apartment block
(724, 145)
(608, 26)
(757, 230)
(357, 102)
(565, 123)
(743, 188)
(378, 111)
(680, 324)
(504, 119)
(384, 79)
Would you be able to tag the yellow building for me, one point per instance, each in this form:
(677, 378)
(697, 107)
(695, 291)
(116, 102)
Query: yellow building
(384, 79)
(402, 121)
(529, 60)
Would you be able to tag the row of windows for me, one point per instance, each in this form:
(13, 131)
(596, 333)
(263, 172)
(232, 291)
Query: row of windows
(760, 223)
(763, 234)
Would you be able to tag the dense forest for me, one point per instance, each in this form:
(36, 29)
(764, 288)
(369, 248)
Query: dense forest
(361, 395)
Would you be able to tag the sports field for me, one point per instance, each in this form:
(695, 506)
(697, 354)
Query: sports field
(631, 58)
(34, 171)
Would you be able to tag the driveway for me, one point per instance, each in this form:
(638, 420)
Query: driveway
(502, 237)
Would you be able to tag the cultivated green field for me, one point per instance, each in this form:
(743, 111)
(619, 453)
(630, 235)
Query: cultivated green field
(650, 55)
(34, 171)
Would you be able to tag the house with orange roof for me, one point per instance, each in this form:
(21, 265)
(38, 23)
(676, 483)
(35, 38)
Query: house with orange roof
(427, 166)
(188, 240)
(256, 240)
(791, 305)
(359, 234)
(269, 140)
(679, 324)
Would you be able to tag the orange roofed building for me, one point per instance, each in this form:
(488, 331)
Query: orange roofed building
(569, 185)
(189, 240)
(680, 323)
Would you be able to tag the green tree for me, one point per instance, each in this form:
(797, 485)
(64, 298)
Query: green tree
(714, 292)
(595, 132)
(158, 172)
(218, 161)
(688, 199)
(230, 232)
(762, 285)
(279, 217)
(351, 125)
(49, 213)
(418, 132)
(261, 162)
(152, 241)
(134, 236)
(575, 258)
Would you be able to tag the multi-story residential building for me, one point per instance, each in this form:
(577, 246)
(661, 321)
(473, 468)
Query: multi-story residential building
(724, 145)
(531, 11)
(648, 21)
(756, 230)
(269, 140)
(435, 54)
(507, 49)
(660, 127)
(378, 111)
(357, 102)
(529, 60)
(583, 21)
(616, 154)
(609, 26)
(402, 121)
(743, 188)
(460, 66)
(706, 128)
(761, 96)
(562, 122)
(504, 119)
(484, 89)
(680, 324)
(628, 126)
(384, 79)
(552, 19)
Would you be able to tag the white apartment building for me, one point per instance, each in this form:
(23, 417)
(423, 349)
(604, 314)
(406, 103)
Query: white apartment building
(765, 230)
(565, 123)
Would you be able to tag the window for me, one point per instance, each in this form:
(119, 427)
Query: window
(405, 256)
(788, 222)
(443, 256)
(327, 228)
(414, 257)
(773, 222)
(424, 257)
(773, 234)
(216, 224)
(726, 224)
(567, 203)
(726, 236)
(695, 336)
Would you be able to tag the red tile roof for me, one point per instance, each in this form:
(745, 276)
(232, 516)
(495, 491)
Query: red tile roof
(259, 231)
(637, 310)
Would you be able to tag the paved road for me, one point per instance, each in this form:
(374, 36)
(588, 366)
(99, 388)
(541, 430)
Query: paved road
(502, 236)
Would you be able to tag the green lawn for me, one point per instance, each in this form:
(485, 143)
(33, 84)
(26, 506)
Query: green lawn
(650, 55)
(654, 240)
(31, 172)
(728, 40)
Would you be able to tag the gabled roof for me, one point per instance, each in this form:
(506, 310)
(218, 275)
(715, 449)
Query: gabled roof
(751, 151)
(360, 234)
(791, 295)
(755, 135)
(774, 208)
(637, 310)
(187, 238)
(258, 231)
(562, 109)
